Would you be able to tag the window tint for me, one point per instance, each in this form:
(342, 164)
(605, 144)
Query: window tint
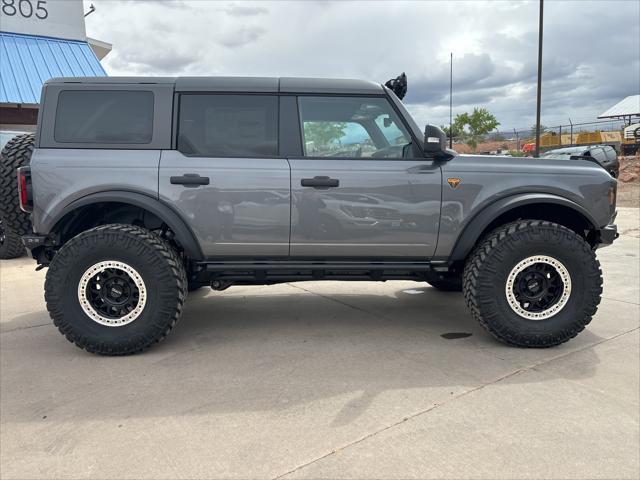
(104, 116)
(228, 125)
(351, 127)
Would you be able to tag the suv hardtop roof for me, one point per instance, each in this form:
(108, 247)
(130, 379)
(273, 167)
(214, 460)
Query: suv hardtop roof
(240, 84)
(576, 149)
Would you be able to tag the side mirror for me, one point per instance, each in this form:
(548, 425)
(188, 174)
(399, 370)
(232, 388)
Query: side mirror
(435, 143)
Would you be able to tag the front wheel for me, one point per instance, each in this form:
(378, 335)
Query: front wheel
(115, 289)
(533, 283)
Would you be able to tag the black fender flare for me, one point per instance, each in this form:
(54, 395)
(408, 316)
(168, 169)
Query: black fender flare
(474, 228)
(183, 233)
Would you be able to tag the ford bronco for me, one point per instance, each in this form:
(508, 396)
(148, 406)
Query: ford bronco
(136, 190)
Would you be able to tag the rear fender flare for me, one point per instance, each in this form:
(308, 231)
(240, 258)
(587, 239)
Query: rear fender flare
(183, 233)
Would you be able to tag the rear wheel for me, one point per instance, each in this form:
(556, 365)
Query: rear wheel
(16, 153)
(115, 289)
(10, 244)
(533, 283)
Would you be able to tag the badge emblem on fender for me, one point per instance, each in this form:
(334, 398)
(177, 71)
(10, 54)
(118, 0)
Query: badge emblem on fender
(454, 182)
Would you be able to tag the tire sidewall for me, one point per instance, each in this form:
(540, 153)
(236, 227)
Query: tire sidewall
(79, 255)
(564, 246)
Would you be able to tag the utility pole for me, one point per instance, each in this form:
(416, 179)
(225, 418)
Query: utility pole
(571, 134)
(540, 25)
(451, 102)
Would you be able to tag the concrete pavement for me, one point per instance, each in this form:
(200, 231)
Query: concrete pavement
(324, 380)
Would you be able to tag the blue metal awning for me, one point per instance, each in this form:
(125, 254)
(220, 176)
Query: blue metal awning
(27, 61)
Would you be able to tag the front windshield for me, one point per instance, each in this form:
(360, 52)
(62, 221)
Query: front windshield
(417, 131)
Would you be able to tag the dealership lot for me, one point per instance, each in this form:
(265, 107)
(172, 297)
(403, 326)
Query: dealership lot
(324, 379)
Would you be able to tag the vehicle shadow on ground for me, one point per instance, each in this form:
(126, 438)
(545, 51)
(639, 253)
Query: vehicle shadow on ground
(271, 352)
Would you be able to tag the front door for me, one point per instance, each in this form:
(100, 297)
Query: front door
(360, 189)
(225, 178)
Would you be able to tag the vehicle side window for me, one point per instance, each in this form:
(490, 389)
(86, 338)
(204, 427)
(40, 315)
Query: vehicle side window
(213, 125)
(598, 155)
(351, 127)
(611, 153)
(104, 116)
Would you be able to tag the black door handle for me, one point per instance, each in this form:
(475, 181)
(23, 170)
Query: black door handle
(189, 180)
(320, 182)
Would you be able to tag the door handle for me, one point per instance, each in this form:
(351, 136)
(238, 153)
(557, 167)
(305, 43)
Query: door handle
(189, 180)
(320, 182)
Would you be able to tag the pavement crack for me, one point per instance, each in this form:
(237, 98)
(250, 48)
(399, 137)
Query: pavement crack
(341, 302)
(623, 301)
(24, 328)
(452, 399)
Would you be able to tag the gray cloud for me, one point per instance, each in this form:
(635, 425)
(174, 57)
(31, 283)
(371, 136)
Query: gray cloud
(241, 36)
(246, 11)
(591, 49)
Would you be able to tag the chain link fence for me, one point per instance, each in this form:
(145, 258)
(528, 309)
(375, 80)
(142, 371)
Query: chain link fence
(522, 141)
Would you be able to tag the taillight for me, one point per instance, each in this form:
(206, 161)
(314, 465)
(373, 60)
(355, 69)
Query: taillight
(24, 189)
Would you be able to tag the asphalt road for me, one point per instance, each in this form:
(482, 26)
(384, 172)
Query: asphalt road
(324, 380)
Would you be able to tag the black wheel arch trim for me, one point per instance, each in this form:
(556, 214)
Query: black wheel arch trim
(478, 223)
(183, 233)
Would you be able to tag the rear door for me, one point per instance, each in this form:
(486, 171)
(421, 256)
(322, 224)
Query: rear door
(361, 187)
(226, 177)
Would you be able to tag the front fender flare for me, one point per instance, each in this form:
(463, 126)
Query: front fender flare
(183, 233)
(474, 228)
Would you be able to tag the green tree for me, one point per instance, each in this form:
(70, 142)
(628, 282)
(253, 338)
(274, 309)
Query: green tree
(475, 125)
(323, 133)
(454, 129)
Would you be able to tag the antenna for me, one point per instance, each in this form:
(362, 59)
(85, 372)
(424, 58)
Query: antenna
(91, 10)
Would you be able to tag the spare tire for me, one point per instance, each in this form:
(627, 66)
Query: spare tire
(10, 244)
(16, 153)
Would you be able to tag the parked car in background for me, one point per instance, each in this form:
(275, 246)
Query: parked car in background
(605, 155)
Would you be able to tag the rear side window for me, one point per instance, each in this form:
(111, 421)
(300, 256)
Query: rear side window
(213, 125)
(104, 116)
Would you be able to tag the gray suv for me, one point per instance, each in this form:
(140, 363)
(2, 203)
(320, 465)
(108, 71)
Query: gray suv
(140, 189)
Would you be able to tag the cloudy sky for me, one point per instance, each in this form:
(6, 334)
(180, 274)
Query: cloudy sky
(591, 48)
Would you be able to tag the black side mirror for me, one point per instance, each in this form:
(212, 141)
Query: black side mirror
(435, 143)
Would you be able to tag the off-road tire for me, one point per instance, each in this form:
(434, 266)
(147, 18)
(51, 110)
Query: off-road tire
(447, 283)
(16, 153)
(11, 245)
(157, 263)
(488, 267)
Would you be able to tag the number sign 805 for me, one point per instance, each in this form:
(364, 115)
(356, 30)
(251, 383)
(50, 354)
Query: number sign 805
(25, 8)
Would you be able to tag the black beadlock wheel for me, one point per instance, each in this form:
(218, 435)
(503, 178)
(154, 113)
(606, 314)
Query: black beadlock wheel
(115, 289)
(16, 153)
(533, 283)
(11, 245)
